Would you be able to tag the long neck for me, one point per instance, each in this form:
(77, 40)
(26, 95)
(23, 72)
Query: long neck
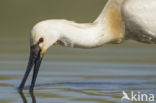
(112, 21)
(107, 28)
(80, 35)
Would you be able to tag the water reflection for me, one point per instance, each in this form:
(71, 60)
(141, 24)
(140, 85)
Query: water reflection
(75, 76)
(24, 99)
(100, 92)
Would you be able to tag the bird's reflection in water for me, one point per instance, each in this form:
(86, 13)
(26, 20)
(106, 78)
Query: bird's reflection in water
(24, 99)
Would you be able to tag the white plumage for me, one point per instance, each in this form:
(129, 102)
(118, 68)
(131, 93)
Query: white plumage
(119, 20)
(140, 19)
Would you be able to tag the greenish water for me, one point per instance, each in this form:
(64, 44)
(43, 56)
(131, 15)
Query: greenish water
(69, 75)
(78, 75)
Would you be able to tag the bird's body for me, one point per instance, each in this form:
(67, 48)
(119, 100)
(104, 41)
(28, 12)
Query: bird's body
(140, 20)
(119, 20)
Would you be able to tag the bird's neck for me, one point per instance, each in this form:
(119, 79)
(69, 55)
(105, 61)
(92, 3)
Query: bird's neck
(107, 28)
(86, 35)
(112, 21)
(80, 35)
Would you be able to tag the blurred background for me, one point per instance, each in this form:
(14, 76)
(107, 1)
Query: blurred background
(69, 75)
(18, 16)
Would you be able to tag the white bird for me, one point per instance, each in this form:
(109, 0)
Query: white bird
(119, 20)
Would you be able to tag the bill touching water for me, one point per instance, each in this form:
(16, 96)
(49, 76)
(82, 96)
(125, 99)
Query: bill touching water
(77, 76)
(123, 73)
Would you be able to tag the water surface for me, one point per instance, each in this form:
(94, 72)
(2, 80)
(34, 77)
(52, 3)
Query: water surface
(69, 75)
(78, 75)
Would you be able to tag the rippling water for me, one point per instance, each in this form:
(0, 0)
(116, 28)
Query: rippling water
(78, 75)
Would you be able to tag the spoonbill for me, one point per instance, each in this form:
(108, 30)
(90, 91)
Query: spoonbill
(119, 20)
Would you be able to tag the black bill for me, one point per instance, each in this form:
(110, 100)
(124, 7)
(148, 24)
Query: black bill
(35, 60)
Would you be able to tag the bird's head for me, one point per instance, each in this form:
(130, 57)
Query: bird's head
(42, 37)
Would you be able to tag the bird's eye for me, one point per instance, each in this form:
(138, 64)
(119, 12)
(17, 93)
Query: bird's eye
(41, 40)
